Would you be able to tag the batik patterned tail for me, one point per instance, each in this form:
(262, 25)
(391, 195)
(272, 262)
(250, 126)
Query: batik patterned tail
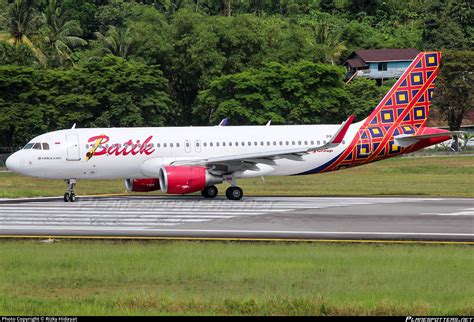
(404, 110)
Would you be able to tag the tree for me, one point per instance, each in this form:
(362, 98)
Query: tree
(364, 95)
(448, 24)
(21, 18)
(109, 92)
(117, 41)
(60, 35)
(454, 95)
(298, 93)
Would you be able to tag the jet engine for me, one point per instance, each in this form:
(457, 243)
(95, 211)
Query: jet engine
(186, 179)
(142, 185)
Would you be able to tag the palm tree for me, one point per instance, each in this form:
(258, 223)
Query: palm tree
(117, 41)
(329, 38)
(60, 35)
(19, 18)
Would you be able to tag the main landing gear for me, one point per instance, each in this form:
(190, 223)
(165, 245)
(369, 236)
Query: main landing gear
(234, 192)
(70, 195)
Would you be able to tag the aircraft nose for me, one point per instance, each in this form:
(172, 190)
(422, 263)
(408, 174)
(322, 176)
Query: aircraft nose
(13, 162)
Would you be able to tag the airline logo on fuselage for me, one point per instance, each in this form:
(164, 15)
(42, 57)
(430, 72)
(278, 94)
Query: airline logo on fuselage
(100, 146)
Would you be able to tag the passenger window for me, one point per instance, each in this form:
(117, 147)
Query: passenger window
(324, 142)
(261, 143)
(274, 143)
(177, 145)
(217, 143)
(319, 142)
(343, 142)
(249, 143)
(230, 143)
(305, 142)
(37, 146)
(157, 145)
(255, 143)
(236, 143)
(164, 145)
(171, 145)
(293, 142)
(287, 143)
(223, 143)
(204, 144)
(87, 146)
(299, 142)
(268, 142)
(312, 142)
(243, 143)
(281, 142)
(210, 144)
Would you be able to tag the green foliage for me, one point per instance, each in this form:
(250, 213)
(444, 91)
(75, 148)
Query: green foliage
(448, 24)
(109, 92)
(15, 55)
(364, 95)
(454, 94)
(299, 93)
(191, 46)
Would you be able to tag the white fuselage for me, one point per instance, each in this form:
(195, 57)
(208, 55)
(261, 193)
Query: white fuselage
(67, 154)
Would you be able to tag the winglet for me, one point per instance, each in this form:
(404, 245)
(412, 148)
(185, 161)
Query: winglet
(341, 133)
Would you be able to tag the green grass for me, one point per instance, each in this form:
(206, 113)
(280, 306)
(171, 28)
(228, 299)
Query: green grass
(427, 176)
(139, 278)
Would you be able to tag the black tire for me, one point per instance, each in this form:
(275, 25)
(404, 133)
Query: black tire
(66, 197)
(72, 197)
(210, 192)
(234, 193)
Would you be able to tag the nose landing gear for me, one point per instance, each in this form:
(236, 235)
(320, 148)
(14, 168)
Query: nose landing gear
(70, 195)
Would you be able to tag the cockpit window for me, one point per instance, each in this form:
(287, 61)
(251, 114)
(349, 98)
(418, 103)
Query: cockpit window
(37, 146)
(45, 146)
(28, 146)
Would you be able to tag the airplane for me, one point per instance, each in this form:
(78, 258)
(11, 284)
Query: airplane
(181, 160)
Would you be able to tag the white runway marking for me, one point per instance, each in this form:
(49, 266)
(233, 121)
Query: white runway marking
(256, 216)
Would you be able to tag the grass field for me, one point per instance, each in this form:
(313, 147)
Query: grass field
(218, 278)
(428, 176)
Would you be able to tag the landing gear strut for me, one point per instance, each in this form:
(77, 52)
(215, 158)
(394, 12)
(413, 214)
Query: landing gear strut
(70, 195)
(234, 192)
(210, 192)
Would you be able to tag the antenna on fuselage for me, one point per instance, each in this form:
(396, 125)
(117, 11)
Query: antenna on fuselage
(73, 127)
(269, 122)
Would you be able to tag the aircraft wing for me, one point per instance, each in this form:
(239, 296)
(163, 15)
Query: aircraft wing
(405, 140)
(294, 154)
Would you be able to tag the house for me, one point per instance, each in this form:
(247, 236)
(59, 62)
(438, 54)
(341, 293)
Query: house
(379, 64)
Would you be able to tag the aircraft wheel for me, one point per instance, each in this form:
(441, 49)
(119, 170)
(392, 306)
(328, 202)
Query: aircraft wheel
(72, 197)
(234, 193)
(210, 192)
(66, 197)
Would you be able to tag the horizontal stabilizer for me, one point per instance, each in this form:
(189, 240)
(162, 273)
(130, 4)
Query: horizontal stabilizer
(405, 140)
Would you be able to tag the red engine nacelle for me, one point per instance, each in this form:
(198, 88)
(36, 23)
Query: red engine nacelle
(186, 179)
(142, 185)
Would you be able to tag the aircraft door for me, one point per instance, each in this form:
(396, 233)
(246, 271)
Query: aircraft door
(73, 152)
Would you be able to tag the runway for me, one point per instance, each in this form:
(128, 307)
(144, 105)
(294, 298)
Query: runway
(308, 218)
